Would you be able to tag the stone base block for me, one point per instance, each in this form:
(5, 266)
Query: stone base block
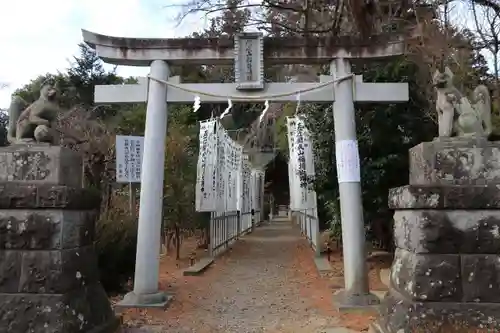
(400, 315)
(47, 196)
(40, 164)
(446, 277)
(348, 302)
(156, 300)
(455, 161)
(84, 310)
(47, 272)
(447, 197)
(475, 231)
(47, 229)
(427, 277)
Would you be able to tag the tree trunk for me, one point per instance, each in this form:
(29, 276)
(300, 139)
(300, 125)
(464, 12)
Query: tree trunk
(206, 231)
(109, 193)
(177, 243)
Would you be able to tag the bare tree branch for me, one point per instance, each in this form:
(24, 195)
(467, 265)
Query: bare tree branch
(304, 17)
(492, 4)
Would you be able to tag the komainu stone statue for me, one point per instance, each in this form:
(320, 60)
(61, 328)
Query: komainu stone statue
(457, 116)
(49, 277)
(35, 122)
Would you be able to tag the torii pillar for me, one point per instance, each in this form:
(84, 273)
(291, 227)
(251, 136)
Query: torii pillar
(356, 290)
(247, 52)
(147, 265)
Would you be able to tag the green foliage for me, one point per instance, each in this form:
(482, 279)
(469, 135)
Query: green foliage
(180, 170)
(116, 242)
(132, 121)
(385, 133)
(281, 128)
(180, 160)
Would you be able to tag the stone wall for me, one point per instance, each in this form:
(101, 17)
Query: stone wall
(48, 270)
(446, 273)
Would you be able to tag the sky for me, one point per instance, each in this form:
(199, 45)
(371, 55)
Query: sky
(39, 37)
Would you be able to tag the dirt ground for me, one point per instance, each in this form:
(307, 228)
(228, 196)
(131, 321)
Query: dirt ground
(266, 283)
(376, 262)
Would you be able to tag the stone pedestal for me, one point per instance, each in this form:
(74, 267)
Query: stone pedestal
(446, 273)
(49, 279)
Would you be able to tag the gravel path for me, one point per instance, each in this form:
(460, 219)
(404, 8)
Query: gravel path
(266, 283)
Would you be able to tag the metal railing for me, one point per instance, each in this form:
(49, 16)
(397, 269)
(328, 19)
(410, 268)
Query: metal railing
(223, 231)
(245, 222)
(309, 226)
(226, 228)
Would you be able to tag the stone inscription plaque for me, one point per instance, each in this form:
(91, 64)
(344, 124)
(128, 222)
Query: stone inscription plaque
(249, 61)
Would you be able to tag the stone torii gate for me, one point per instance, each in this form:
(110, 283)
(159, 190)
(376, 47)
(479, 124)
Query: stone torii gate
(247, 51)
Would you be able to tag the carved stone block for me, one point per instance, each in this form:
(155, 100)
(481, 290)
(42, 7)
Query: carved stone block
(23, 196)
(40, 164)
(446, 273)
(48, 229)
(10, 271)
(48, 267)
(481, 278)
(427, 277)
(455, 162)
(444, 197)
(399, 315)
(57, 272)
(83, 310)
(447, 231)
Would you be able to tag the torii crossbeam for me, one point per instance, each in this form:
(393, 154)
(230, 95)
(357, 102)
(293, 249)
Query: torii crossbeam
(247, 51)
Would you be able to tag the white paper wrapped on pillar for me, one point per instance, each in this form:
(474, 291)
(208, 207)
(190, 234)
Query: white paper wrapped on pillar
(347, 158)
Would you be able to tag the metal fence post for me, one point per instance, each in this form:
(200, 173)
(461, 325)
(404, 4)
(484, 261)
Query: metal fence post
(310, 229)
(211, 232)
(253, 220)
(226, 227)
(238, 231)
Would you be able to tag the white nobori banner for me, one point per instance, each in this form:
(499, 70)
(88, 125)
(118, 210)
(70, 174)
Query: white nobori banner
(219, 170)
(206, 173)
(301, 165)
(245, 194)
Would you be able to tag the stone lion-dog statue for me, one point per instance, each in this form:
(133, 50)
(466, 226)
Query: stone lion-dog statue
(34, 123)
(457, 116)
